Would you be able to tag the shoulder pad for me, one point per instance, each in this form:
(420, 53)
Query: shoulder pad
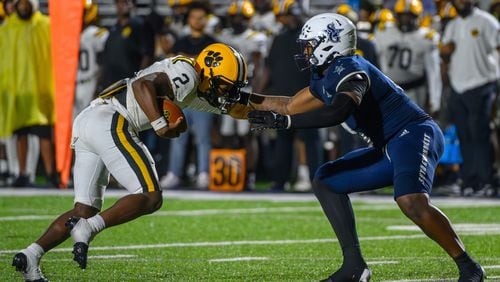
(253, 34)
(183, 59)
(100, 32)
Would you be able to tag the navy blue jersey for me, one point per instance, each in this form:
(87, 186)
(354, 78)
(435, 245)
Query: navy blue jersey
(384, 108)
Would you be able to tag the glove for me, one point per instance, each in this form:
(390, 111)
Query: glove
(265, 119)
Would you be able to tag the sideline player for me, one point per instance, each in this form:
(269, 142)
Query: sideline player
(92, 41)
(406, 142)
(105, 140)
(409, 55)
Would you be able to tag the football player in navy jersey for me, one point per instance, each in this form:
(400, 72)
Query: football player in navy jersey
(406, 143)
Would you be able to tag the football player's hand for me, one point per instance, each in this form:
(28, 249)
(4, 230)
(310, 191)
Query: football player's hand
(265, 119)
(173, 130)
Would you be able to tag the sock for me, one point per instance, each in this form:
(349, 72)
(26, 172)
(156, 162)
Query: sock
(36, 250)
(96, 223)
(464, 262)
(303, 173)
(338, 210)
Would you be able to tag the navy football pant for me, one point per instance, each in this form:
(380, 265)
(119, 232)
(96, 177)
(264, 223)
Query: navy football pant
(408, 162)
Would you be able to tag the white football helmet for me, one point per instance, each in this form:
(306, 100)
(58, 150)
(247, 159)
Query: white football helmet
(325, 37)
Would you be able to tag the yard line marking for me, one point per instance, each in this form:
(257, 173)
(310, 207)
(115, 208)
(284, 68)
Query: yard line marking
(231, 243)
(418, 280)
(244, 242)
(111, 256)
(382, 262)
(27, 217)
(491, 266)
(480, 228)
(237, 259)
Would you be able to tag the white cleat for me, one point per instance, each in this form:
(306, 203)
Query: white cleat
(81, 232)
(29, 266)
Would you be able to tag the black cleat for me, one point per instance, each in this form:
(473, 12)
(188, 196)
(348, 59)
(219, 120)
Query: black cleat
(20, 262)
(80, 250)
(477, 274)
(357, 275)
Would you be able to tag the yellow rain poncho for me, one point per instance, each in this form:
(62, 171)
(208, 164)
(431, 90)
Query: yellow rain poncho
(26, 79)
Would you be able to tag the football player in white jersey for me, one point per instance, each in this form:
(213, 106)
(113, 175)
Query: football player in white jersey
(409, 55)
(92, 41)
(105, 140)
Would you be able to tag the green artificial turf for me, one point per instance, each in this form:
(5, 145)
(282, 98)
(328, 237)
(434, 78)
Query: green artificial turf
(234, 240)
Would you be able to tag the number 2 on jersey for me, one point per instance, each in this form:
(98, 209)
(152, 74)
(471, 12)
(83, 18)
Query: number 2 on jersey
(182, 80)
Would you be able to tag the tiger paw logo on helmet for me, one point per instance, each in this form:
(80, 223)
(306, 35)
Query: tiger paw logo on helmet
(213, 59)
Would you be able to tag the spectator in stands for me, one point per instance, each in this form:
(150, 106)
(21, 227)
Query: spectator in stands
(6, 9)
(177, 20)
(200, 123)
(470, 44)
(26, 86)
(281, 76)
(495, 9)
(264, 19)
(127, 49)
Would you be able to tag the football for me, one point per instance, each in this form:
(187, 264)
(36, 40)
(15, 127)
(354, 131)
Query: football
(172, 112)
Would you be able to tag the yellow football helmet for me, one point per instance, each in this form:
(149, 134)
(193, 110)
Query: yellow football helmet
(223, 72)
(447, 11)
(90, 11)
(382, 16)
(175, 3)
(286, 7)
(2, 11)
(347, 11)
(241, 7)
(414, 7)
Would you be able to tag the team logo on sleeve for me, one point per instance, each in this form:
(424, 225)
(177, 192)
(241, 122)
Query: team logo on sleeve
(333, 33)
(339, 69)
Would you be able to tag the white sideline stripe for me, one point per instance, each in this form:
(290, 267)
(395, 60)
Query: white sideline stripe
(237, 259)
(491, 266)
(252, 196)
(288, 209)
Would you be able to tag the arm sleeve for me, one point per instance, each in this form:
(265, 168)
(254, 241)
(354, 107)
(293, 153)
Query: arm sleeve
(448, 33)
(334, 114)
(339, 110)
